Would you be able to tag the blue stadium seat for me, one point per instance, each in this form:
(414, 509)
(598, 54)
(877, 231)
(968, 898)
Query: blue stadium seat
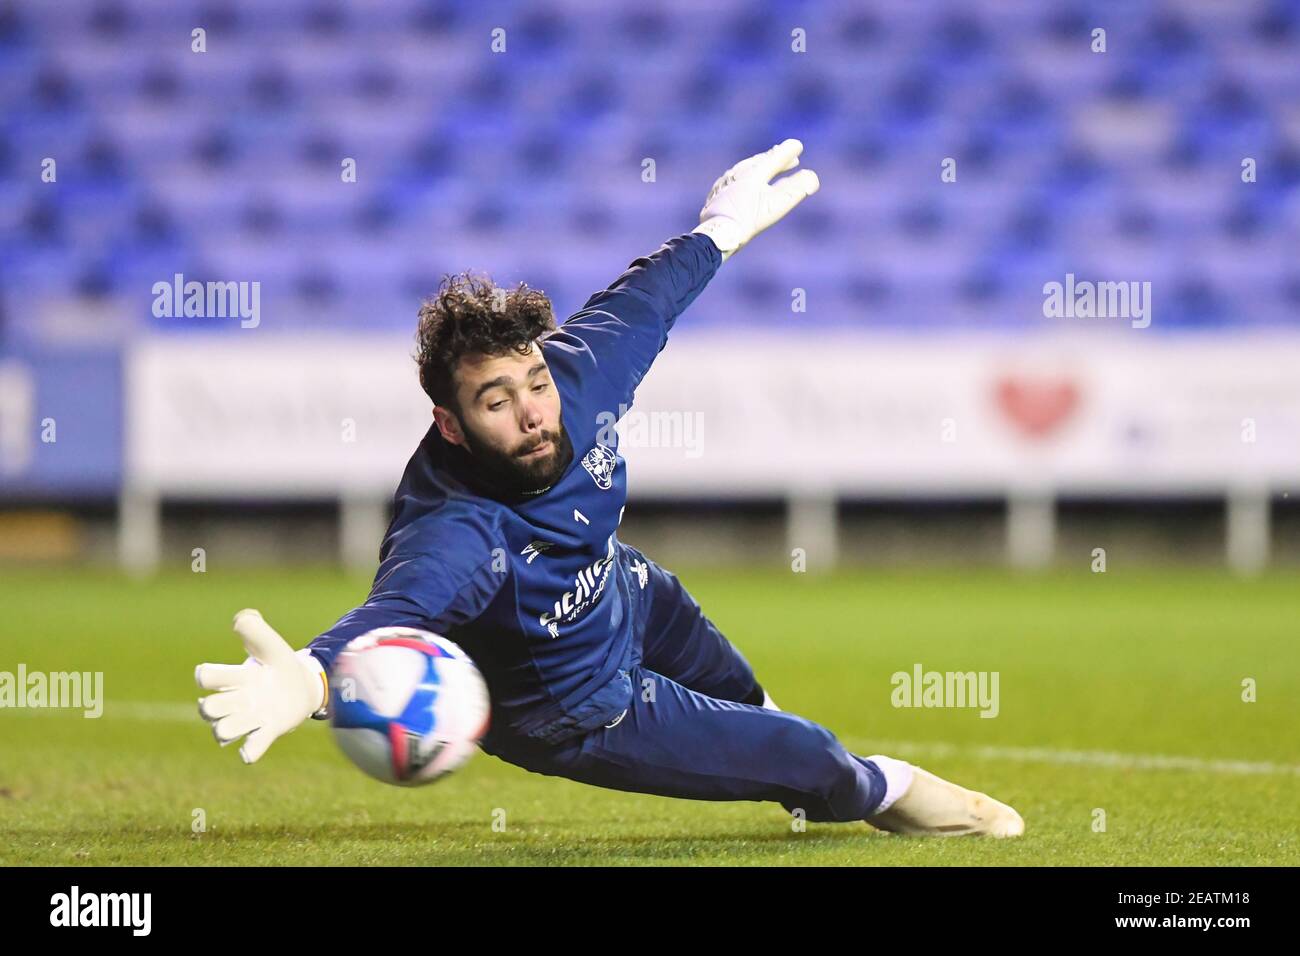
(529, 163)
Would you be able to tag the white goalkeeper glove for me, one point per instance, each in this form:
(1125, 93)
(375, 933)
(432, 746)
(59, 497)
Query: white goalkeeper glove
(742, 203)
(265, 697)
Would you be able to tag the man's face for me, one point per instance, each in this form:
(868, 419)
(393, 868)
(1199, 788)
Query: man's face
(509, 420)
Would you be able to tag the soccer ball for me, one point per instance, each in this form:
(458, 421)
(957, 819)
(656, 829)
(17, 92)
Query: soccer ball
(407, 706)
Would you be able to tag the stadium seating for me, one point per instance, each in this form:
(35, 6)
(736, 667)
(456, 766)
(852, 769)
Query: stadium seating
(528, 164)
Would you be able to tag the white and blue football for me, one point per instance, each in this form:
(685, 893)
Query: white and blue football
(407, 706)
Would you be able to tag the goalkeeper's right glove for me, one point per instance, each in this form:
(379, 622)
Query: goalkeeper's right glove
(265, 697)
(742, 203)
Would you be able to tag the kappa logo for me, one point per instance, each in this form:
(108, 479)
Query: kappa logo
(534, 549)
(599, 463)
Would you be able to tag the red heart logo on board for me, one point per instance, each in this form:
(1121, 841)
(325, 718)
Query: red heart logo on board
(1037, 407)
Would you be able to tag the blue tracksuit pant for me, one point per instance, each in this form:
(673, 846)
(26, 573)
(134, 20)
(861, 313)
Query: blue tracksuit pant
(687, 734)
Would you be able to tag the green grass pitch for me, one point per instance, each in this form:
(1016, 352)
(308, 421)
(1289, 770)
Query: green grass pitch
(1120, 694)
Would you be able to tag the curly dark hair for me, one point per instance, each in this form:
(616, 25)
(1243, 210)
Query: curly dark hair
(471, 314)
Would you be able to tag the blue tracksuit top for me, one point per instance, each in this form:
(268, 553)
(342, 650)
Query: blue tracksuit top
(537, 589)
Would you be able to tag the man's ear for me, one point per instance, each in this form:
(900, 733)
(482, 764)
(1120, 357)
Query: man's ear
(448, 425)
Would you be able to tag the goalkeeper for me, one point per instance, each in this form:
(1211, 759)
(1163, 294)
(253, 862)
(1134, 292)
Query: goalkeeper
(600, 666)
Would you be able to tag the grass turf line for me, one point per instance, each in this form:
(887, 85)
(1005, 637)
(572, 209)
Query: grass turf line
(1131, 664)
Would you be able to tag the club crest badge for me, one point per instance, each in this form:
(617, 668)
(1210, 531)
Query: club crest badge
(599, 463)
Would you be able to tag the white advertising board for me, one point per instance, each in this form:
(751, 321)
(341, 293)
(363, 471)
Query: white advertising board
(236, 415)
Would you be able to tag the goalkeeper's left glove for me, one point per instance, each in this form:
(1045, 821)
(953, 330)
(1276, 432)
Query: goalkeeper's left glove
(742, 203)
(265, 697)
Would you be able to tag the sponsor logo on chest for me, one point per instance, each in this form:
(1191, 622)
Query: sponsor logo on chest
(588, 584)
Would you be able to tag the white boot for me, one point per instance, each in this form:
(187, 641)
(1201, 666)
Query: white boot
(932, 806)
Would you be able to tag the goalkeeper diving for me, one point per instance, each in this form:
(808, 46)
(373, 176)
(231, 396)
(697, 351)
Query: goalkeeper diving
(572, 627)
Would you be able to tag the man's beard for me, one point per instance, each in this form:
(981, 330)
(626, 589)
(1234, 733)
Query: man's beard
(507, 472)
